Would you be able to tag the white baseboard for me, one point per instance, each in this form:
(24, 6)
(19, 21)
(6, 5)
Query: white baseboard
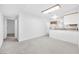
(32, 37)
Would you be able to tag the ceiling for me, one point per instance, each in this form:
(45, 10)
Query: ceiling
(35, 9)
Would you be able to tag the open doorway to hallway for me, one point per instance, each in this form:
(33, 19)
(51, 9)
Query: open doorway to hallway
(10, 28)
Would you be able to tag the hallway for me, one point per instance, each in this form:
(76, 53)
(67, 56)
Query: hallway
(41, 45)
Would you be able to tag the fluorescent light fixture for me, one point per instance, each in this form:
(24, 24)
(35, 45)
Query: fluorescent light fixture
(53, 8)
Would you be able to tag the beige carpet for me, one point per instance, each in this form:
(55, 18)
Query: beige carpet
(41, 45)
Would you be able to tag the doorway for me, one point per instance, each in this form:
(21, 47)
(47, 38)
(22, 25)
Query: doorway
(10, 28)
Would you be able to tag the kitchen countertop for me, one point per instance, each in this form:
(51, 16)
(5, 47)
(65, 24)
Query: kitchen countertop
(66, 29)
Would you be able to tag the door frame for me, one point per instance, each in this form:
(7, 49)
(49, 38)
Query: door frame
(16, 26)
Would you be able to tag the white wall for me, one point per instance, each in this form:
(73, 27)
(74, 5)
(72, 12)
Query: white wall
(1, 30)
(31, 27)
(4, 27)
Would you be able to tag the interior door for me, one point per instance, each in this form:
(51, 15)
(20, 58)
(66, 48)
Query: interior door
(1, 30)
